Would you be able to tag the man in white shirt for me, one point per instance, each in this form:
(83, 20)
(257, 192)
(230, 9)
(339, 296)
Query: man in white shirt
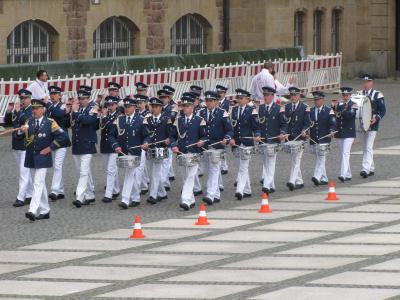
(38, 88)
(262, 79)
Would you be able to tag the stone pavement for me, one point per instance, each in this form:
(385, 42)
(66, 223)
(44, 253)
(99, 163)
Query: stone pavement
(307, 248)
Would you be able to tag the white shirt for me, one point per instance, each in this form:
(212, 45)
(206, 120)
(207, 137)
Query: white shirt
(188, 118)
(40, 121)
(38, 89)
(262, 79)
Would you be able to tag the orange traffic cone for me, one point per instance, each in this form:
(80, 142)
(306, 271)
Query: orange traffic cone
(265, 209)
(332, 193)
(202, 220)
(137, 230)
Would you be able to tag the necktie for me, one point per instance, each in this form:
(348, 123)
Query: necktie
(156, 120)
(267, 109)
(187, 121)
(209, 115)
(81, 110)
(37, 126)
(240, 111)
(294, 107)
(129, 120)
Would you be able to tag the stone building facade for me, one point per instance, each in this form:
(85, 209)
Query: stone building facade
(41, 30)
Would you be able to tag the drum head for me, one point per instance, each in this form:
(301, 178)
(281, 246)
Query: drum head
(366, 114)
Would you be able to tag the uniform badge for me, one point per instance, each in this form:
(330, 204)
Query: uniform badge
(40, 135)
(43, 135)
(133, 132)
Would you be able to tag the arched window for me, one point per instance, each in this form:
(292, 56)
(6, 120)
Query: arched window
(188, 35)
(299, 28)
(318, 26)
(336, 30)
(113, 37)
(30, 41)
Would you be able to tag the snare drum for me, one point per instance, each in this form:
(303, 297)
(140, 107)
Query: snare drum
(215, 155)
(320, 149)
(157, 153)
(364, 112)
(293, 146)
(244, 153)
(269, 149)
(128, 161)
(188, 159)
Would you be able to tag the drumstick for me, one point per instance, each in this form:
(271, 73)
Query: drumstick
(10, 131)
(213, 144)
(302, 132)
(327, 135)
(250, 137)
(276, 137)
(194, 144)
(148, 144)
(312, 140)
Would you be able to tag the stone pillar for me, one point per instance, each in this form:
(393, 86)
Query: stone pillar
(220, 12)
(76, 14)
(155, 11)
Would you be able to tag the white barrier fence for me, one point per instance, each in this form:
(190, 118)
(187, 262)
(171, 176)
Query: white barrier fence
(311, 74)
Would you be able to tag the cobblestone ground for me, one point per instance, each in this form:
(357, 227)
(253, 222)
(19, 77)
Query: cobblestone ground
(307, 248)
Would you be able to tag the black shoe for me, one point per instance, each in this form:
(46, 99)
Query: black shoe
(371, 174)
(200, 175)
(87, 202)
(316, 181)
(60, 196)
(208, 201)
(246, 195)
(221, 189)
(144, 192)
(43, 216)
(90, 201)
(347, 179)
(172, 178)
(107, 200)
(123, 205)
(224, 172)
(192, 205)
(105, 187)
(159, 199)
(184, 206)
(363, 174)
(115, 196)
(198, 193)
(77, 203)
(341, 178)
(53, 197)
(323, 183)
(167, 188)
(30, 216)
(239, 196)
(271, 190)
(290, 186)
(28, 200)
(235, 184)
(265, 190)
(262, 181)
(152, 200)
(18, 203)
(216, 200)
(134, 204)
(298, 186)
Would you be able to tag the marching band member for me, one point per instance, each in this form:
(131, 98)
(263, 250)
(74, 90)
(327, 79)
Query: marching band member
(127, 138)
(196, 91)
(368, 138)
(113, 89)
(298, 118)
(17, 114)
(346, 126)
(141, 88)
(159, 129)
(224, 104)
(42, 136)
(245, 126)
(273, 129)
(218, 132)
(322, 132)
(188, 134)
(60, 113)
(174, 114)
(84, 139)
(141, 108)
(106, 149)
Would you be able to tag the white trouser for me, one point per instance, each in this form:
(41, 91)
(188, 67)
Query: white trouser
(85, 187)
(269, 171)
(224, 165)
(243, 179)
(214, 173)
(25, 188)
(202, 166)
(112, 181)
(144, 184)
(345, 148)
(131, 188)
(156, 168)
(197, 184)
(295, 170)
(188, 174)
(368, 139)
(320, 171)
(168, 169)
(220, 181)
(171, 172)
(57, 183)
(40, 202)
